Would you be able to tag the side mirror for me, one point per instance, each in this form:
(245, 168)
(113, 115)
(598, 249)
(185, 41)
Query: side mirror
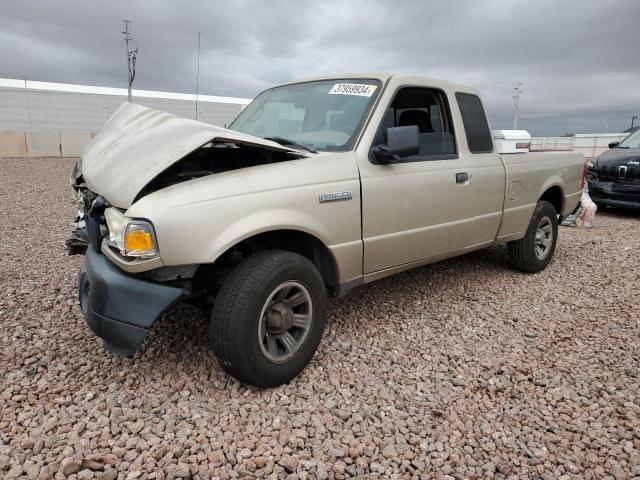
(613, 144)
(401, 142)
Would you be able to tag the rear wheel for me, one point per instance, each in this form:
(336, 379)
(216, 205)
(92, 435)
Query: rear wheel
(268, 318)
(534, 252)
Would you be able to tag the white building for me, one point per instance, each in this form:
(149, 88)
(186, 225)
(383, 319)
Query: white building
(46, 107)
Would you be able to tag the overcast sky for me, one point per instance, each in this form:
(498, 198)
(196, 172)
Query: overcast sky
(579, 61)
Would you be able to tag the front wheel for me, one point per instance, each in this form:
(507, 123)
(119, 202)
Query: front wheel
(268, 318)
(534, 252)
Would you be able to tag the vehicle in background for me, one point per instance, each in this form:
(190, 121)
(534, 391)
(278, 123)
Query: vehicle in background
(614, 176)
(318, 187)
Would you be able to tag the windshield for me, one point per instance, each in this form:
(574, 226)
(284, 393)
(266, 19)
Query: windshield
(323, 115)
(632, 141)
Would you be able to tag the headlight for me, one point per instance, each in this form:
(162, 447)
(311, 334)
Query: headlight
(116, 222)
(590, 164)
(134, 238)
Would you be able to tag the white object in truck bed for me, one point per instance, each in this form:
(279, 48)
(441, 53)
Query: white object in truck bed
(512, 141)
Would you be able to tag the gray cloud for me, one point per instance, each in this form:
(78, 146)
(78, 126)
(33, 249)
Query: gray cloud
(578, 60)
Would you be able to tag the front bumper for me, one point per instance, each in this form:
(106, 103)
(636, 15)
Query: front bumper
(613, 194)
(118, 307)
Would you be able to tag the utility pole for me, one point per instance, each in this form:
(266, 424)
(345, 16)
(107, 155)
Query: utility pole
(198, 79)
(26, 92)
(517, 90)
(131, 57)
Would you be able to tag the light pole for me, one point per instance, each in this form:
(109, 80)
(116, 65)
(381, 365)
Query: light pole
(517, 90)
(131, 58)
(198, 79)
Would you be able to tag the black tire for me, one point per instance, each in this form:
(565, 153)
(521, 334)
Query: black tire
(235, 317)
(522, 253)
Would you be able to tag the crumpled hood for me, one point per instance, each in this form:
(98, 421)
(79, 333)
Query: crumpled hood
(138, 143)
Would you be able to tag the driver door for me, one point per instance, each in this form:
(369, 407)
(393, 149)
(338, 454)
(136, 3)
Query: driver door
(420, 206)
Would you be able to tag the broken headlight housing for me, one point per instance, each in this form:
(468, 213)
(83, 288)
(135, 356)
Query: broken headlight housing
(133, 238)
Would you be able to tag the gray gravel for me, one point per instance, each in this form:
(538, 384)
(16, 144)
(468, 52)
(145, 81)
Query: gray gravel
(464, 369)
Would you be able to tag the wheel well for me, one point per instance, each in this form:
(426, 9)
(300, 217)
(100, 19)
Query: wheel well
(554, 196)
(291, 240)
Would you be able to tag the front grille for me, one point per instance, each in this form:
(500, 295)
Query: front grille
(613, 173)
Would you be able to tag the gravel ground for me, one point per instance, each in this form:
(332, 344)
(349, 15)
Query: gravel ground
(463, 369)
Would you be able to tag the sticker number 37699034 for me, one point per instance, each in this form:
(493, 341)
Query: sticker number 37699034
(359, 89)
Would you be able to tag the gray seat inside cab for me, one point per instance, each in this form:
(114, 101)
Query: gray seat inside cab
(431, 143)
(416, 117)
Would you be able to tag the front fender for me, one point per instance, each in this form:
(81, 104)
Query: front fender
(266, 221)
(198, 233)
(198, 220)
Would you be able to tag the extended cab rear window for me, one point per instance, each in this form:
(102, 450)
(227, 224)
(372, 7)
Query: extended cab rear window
(475, 123)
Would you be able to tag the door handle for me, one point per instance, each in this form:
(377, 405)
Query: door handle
(462, 177)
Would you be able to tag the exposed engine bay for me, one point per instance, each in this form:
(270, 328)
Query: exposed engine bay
(215, 158)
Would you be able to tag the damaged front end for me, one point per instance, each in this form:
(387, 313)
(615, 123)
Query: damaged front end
(141, 150)
(82, 198)
(140, 146)
(123, 285)
(119, 307)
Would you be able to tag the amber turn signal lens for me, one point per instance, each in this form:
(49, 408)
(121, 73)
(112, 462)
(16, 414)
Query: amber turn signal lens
(138, 240)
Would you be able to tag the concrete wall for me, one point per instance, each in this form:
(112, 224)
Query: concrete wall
(43, 144)
(13, 144)
(72, 143)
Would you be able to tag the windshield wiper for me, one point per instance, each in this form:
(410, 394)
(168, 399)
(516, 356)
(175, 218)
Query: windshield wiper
(292, 143)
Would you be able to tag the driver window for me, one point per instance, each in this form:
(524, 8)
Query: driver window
(429, 111)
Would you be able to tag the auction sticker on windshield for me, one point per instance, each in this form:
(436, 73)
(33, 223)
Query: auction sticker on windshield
(359, 89)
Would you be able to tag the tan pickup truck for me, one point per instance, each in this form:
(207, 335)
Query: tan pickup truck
(317, 187)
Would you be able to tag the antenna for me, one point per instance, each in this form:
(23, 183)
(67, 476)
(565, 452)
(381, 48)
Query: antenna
(198, 79)
(131, 57)
(517, 90)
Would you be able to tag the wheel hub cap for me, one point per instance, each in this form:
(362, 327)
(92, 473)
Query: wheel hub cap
(543, 239)
(279, 318)
(285, 321)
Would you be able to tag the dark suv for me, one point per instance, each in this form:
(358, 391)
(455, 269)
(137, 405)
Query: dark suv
(614, 176)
